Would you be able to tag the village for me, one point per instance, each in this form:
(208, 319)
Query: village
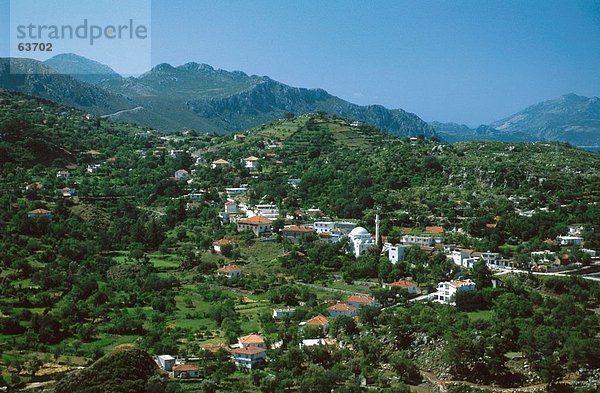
(236, 250)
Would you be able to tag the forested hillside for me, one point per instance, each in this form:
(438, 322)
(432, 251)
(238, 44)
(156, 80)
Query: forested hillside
(106, 241)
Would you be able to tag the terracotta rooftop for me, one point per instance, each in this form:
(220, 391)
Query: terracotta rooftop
(360, 299)
(251, 158)
(459, 283)
(39, 211)
(298, 228)
(220, 161)
(222, 242)
(434, 230)
(403, 284)
(248, 350)
(186, 367)
(256, 220)
(319, 320)
(342, 307)
(251, 339)
(230, 269)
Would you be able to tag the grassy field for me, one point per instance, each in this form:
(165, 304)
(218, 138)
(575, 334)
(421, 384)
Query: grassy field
(483, 315)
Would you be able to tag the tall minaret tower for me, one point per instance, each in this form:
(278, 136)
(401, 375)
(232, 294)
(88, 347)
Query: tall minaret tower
(377, 227)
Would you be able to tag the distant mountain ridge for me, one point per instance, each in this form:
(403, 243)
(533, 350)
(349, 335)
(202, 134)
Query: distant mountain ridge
(569, 118)
(195, 96)
(35, 78)
(81, 68)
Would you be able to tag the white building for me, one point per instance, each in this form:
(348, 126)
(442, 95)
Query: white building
(591, 253)
(233, 191)
(251, 163)
(491, 258)
(447, 289)
(323, 226)
(281, 313)
(269, 211)
(397, 253)
(543, 256)
(418, 240)
(166, 362)
(360, 241)
(569, 240)
(181, 174)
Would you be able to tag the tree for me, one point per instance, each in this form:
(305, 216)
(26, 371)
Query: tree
(231, 329)
(407, 371)
(482, 274)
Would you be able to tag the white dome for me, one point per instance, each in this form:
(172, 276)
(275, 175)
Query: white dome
(359, 231)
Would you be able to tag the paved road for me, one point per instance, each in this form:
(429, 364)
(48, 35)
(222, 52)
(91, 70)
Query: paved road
(548, 274)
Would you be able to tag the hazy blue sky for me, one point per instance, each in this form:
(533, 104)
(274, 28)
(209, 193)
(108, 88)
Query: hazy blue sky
(463, 61)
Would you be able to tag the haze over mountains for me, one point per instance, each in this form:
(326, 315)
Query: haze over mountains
(199, 97)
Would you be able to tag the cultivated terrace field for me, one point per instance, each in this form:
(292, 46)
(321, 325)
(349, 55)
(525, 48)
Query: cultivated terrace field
(106, 254)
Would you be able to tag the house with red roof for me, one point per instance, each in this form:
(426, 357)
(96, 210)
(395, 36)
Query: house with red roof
(296, 232)
(39, 213)
(319, 320)
(409, 286)
(251, 163)
(217, 245)
(185, 371)
(251, 340)
(220, 163)
(229, 271)
(256, 224)
(447, 289)
(249, 358)
(340, 309)
(359, 301)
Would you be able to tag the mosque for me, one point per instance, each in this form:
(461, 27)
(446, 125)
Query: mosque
(360, 239)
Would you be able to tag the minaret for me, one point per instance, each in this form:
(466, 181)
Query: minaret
(377, 227)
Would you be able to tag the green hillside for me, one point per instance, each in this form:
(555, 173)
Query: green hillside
(126, 256)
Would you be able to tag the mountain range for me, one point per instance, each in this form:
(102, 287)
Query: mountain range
(193, 95)
(197, 96)
(569, 118)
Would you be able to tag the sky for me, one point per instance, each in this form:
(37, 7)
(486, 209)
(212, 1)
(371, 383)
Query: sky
(460, 61)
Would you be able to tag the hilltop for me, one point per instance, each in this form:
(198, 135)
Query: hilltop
(81, 68)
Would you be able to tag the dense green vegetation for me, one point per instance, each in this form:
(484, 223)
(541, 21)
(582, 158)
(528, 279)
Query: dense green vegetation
(127, 260)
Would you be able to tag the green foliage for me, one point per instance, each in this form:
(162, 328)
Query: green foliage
(131, 367)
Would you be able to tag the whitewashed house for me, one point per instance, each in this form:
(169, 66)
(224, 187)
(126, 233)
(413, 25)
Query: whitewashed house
(447, 289)
(251, 163)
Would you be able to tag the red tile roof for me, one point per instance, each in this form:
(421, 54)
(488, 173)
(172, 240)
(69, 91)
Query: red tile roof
(256, 220)
(360, 299)
(186, 367)
(298, 228)
(248, 350)
(222, 242)
(251, 339)
(251, 158)
(230, 269)
(458, 283)
(220, 161)
(39, 211)
(319, 320)
(403, 284)
(342, 307)
(434, 230)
